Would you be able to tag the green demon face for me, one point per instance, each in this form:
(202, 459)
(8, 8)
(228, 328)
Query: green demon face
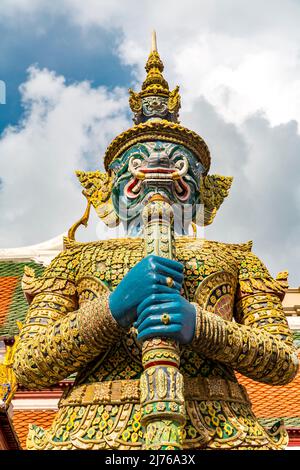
(155, 167)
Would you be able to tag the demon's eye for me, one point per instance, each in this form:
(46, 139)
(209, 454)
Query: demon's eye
(179, 164)
(136, 162)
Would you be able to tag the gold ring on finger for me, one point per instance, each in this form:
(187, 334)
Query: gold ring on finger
(165, 318)
(170, 282)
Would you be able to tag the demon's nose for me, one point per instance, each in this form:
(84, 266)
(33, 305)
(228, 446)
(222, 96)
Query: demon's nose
(158, 160)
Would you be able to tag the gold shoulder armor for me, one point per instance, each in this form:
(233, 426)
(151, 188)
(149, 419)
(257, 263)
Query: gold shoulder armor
(58, 277)
(254, 276)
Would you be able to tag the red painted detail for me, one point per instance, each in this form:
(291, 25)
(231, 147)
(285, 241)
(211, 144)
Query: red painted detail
(294, 437)
(38, 394)
(128, 188)
(161, 363)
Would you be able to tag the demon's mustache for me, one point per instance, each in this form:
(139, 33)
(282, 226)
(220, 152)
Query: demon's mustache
(158, 176)
(138, 171)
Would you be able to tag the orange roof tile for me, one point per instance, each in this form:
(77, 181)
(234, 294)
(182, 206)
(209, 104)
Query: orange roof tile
(7, 289)
(273, 401)
(22, 419)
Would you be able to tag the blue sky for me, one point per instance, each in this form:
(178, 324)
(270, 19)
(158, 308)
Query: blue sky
(57, 44)
(68, 64)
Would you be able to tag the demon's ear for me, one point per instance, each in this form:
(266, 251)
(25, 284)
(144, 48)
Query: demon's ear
(97, 189)
(213, 190)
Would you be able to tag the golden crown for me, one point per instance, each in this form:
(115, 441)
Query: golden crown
(155, 110)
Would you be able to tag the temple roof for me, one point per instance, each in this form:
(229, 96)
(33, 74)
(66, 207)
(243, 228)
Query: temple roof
(41, 253)
(22, 420)
(13, 305)
(271, 403)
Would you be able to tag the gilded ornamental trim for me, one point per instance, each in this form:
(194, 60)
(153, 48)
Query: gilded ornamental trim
(116, 392)
(158, 130)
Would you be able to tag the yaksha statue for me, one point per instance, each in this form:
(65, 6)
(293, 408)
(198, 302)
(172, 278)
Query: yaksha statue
(156, 324)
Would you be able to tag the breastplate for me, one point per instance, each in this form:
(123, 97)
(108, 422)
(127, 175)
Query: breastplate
(210, 274)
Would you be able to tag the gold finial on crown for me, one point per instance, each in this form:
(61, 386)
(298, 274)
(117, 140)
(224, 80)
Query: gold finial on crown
(153, 86)
(154, 82)
(153, 42)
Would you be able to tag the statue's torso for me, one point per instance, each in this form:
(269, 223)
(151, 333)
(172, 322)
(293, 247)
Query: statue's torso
(102, 410)
(211, 275)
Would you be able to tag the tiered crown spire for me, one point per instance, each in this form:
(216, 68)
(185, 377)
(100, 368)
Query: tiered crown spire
(155, 100)
(155, 110)
(154, 82)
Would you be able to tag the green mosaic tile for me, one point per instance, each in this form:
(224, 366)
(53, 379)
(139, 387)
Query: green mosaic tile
(18, 306)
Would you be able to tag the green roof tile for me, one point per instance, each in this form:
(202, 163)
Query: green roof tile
(296, 335)
(288, 422)
(18, 305)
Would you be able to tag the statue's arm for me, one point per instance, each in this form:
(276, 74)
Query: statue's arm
(57, 338)
(259, 344)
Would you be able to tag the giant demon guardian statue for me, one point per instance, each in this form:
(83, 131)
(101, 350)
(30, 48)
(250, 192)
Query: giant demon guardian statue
(154, 325)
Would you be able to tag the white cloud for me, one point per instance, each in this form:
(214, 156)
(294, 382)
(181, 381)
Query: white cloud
(238, 65)
(241, 56)
(263, 204)
(66, 127)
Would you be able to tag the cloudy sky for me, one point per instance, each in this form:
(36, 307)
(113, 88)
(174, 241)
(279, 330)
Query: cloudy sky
(67, 65)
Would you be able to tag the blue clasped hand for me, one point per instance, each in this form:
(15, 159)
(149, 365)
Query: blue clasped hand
(146, 278)
(166, 315)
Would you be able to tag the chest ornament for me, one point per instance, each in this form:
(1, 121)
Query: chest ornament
(216, 294)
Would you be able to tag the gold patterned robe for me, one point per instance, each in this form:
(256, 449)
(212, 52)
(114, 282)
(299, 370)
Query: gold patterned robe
(69, 328)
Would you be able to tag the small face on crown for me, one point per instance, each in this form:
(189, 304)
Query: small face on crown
(155, 107)
(155, 167)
